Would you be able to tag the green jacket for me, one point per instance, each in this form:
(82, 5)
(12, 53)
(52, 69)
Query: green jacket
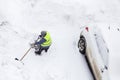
(48, 40)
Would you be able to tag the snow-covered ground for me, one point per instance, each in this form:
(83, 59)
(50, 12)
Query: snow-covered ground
(22, 20)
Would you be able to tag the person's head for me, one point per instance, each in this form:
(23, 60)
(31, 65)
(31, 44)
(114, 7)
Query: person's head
(43, 33)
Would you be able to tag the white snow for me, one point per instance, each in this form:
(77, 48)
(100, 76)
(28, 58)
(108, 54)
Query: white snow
(22, 20)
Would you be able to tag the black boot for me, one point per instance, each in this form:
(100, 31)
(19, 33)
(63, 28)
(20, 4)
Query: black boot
(46, 50)
(38, 53)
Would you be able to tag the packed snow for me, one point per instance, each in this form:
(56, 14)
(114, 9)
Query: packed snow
(21, 21)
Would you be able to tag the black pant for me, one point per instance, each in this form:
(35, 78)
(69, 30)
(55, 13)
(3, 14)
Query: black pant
(41, 49)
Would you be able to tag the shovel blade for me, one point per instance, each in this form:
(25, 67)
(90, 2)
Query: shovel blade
(17, 59)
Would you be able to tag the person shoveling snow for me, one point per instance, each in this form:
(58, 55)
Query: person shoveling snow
(42, 43)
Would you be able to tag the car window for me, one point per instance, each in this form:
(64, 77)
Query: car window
(103, 50)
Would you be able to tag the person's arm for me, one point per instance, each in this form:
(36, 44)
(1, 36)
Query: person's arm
(41, 41)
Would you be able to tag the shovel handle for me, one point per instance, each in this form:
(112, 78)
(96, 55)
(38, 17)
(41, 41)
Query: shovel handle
(25, 53)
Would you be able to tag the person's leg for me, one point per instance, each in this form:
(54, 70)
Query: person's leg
(40, 50)
(46, 48)
(36, 49)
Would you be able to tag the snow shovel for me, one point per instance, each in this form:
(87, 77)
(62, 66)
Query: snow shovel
(23, 55)
(32, 45)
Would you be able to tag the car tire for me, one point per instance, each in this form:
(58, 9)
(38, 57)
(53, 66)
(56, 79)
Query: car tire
(82, 45)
